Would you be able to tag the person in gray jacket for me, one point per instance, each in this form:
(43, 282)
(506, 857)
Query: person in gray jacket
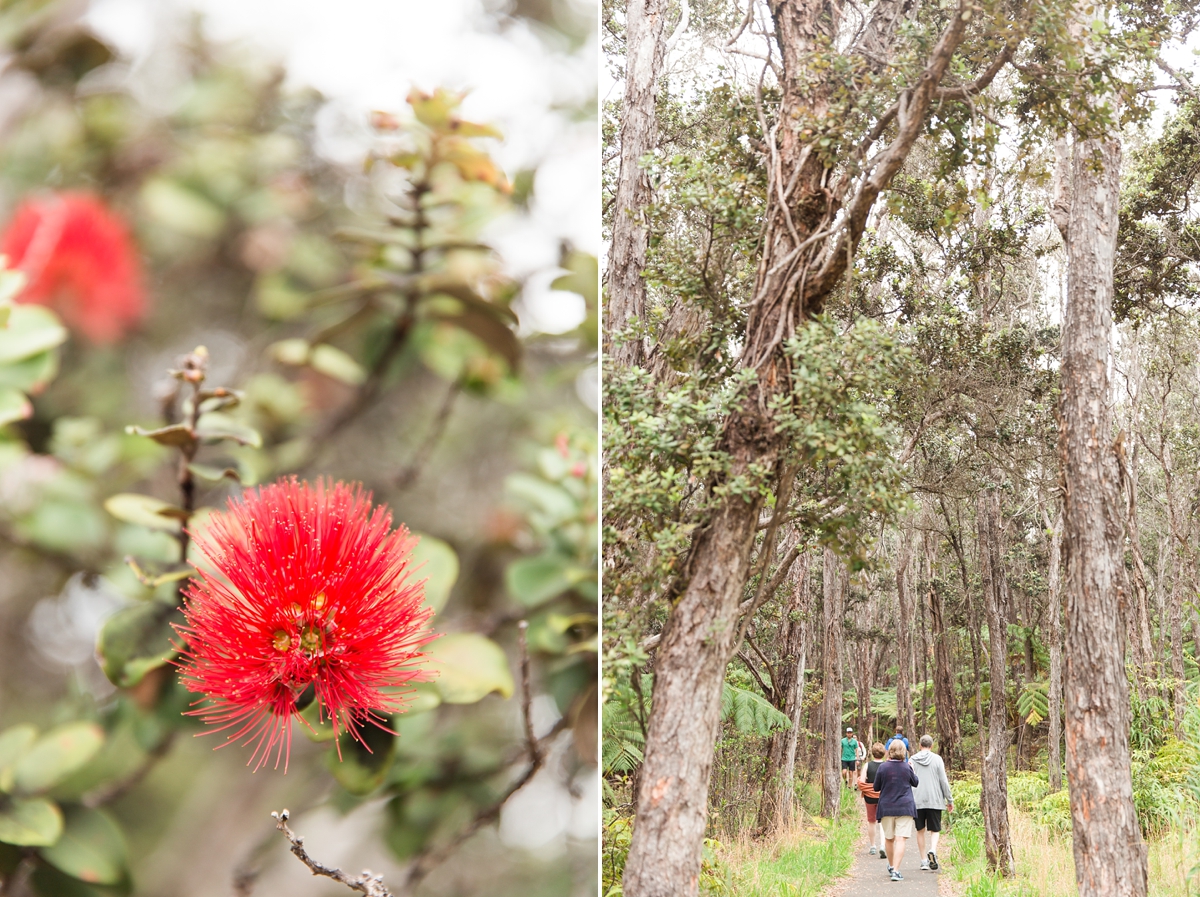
(931, 794)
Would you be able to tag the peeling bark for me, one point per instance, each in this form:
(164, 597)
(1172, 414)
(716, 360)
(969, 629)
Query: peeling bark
(1110, 857)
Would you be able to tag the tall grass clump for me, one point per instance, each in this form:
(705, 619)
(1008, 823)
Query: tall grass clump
(799, 863)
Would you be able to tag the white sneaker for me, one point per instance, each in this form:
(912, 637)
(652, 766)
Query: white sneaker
(925, 866)
(873, 851)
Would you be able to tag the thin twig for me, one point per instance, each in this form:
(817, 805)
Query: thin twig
(108, 793)
(427, 861)
(409, 472)
(527, 692)
(371, 885)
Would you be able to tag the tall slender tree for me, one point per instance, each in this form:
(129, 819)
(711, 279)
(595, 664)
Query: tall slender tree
(833, 628)
(625, 296)
(997, 836)
(1110, 857)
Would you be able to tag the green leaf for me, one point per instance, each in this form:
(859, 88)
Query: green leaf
(12, 281)
(362, 768)
(532, 581)
(91, 848)
(14, 406)
(30, 822)
(136, 640)
(336, 364)
(64, 525)
(469, 667)
(144, 510)
(437, 563)
(318, 729)
(14, 742)
(56, 755)
(489, 330)
(584, 277)
(30, 374)
(422, 698)
(435, 285)
(751, 712)
(181, 209)
(214, 474)
(31, 330)
(215, 426)
(552, 500)
(293, 352)
(177, 435)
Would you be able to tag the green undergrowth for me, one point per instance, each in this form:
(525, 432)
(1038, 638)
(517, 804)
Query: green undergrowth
(1040, 824)
(798, 863)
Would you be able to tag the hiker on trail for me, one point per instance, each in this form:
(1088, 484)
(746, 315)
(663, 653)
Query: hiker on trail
(931, 796)
(899, 736)
(849, 758)
(894, 781)
(866, 784)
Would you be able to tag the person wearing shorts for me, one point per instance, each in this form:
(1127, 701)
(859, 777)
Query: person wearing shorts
(931, 796)
(894, 781)
(866, 784)
(849, 758)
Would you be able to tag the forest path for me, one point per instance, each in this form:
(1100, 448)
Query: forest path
(868, 875)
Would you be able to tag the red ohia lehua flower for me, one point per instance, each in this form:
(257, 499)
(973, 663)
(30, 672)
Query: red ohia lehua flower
(80, 261)
(309, 589)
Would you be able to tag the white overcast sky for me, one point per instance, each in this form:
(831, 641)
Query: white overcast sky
(366, 54)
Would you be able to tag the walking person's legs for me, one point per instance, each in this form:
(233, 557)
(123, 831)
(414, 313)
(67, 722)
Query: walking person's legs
(896, 830)
(932, 820)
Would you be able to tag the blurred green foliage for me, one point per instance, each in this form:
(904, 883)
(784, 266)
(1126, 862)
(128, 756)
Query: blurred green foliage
(341, 341)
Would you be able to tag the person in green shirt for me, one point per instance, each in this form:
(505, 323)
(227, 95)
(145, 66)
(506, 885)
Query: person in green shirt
(849, 758)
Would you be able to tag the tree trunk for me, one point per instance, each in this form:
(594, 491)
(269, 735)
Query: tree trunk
(685, 715)
(997, 839)
(775, 808)
(832, 624)
(949, 734)
(796, 272)
(1175, 625)
(904, 641)
(1110, 858)
(923, 626)
(625, 297)
(955, 537)
(1054, 634)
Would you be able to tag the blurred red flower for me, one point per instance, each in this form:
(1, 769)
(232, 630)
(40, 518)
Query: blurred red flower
(309, 589)
(79, 260)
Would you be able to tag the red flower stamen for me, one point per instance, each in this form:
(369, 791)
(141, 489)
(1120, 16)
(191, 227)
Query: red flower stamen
(311, 589)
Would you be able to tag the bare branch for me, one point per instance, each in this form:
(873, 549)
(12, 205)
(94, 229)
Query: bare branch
(371, 885)
(1185, 83)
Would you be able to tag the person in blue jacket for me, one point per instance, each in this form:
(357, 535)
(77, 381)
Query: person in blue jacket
(899, 736)
(895, 781)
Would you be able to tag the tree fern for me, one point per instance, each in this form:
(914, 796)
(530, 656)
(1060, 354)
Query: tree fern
(751, 713)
